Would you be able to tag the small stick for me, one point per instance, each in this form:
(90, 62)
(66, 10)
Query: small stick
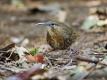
(88, 59)
(3, 51)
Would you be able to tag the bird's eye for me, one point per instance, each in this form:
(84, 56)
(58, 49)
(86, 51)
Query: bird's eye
(52, 24)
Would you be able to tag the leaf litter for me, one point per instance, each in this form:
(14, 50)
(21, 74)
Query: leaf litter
(25, 61)
(18, 63)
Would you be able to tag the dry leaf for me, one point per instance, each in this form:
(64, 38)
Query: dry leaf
(36, 58)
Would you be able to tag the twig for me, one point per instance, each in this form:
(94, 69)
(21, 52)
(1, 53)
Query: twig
(3, 51)
(88, 59)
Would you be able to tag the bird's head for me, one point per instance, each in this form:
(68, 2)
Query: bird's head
(52, 26)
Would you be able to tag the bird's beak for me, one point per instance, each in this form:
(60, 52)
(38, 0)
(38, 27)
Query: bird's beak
(42, 24)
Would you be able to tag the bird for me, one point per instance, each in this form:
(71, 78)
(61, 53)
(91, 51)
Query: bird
(59, 35)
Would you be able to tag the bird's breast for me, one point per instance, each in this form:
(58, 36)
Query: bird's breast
(56, 40)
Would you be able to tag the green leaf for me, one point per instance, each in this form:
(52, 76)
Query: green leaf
(33, 51)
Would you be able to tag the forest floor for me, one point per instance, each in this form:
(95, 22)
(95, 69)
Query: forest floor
(18, 26)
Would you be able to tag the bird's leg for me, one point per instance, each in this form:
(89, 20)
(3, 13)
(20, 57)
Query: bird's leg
(53, 50)
(73, 53)
(50, 51)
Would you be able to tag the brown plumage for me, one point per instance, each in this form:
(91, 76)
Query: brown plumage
(59, 36)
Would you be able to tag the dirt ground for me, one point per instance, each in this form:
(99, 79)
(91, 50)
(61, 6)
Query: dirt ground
(12, 25)
(75, 14)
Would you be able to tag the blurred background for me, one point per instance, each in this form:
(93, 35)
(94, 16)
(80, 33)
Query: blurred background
(19, 17)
